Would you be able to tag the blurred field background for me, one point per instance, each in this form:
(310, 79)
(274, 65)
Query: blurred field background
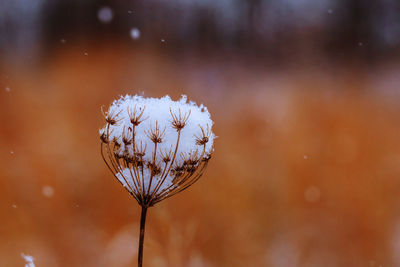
(305, 96)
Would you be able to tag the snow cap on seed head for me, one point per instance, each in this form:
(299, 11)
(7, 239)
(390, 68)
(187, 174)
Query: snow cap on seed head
(159, 113)
(162, 139)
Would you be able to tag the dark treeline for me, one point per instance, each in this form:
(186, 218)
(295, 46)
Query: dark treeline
(333, 28)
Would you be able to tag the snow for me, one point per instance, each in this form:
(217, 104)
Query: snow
(157, 127)
(135, 33)
(312, 194)
(48, 191)
(29, 260)
(105, 14)
(158, 112)
(126, 176)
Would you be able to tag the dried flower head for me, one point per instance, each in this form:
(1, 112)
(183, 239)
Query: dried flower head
(156, 147)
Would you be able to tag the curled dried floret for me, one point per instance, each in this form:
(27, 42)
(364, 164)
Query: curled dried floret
(178, 120)
(135, 118)
(204, 137)
(111, 117)
(155, 134)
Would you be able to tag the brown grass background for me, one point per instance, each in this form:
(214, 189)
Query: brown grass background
(306, 169)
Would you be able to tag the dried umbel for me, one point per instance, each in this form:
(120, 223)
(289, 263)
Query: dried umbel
(155, 147)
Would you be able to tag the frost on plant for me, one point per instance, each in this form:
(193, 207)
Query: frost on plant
(156, 147)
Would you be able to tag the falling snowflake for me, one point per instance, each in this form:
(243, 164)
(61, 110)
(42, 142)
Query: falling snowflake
(105, 14)
(48, 191)
(312, 194)
(135, 33)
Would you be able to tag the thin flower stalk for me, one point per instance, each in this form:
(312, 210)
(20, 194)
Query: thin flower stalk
(155, 148)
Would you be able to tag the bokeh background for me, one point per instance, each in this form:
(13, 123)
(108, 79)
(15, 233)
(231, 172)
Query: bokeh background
(305, 96)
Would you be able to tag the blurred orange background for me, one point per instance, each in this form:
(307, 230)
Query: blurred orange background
(306, 168)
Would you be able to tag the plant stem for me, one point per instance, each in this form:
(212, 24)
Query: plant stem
(141, 238)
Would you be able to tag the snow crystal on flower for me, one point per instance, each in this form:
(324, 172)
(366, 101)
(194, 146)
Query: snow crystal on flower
(159, 110)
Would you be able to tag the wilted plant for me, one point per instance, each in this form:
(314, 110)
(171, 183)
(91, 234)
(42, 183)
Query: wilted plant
(156, 148)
